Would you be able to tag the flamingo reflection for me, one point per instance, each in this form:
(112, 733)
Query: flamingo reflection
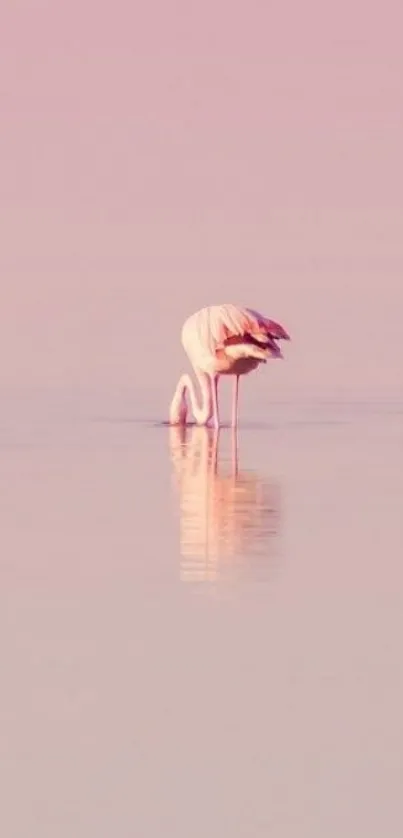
(229, 519)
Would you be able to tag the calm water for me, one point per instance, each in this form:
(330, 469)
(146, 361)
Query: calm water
(201, 636)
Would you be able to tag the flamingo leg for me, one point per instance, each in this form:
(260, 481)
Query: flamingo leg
(214, 392)
(235, 402)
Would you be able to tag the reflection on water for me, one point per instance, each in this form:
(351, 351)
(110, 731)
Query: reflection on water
(229, 518)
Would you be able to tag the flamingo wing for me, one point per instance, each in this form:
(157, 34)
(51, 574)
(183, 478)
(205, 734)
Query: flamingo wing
(249, 330)
(214, 327)
(235, 322)
(265, 324)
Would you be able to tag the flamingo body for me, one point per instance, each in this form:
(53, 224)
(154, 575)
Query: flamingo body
(222, 340)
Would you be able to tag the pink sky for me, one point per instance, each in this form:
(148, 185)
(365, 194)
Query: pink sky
(160, 156)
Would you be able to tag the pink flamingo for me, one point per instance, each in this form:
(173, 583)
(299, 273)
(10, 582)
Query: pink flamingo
(222, 340)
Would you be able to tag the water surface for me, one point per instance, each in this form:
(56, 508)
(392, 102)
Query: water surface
(201, 635)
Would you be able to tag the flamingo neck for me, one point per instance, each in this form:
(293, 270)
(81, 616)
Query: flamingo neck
(202, 411)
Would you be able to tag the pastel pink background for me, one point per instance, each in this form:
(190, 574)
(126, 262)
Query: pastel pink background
(160, 156)
(156, 157)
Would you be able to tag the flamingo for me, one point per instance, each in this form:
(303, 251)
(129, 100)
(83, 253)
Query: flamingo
(222, 340)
